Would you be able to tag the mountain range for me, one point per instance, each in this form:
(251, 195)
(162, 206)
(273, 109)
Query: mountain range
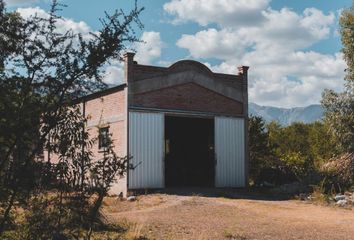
(287, 116)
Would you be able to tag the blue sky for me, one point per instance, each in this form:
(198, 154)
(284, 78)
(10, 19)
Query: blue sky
(292, 46)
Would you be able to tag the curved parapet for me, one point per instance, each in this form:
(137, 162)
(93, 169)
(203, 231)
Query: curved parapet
(187, 85)
(189, 65)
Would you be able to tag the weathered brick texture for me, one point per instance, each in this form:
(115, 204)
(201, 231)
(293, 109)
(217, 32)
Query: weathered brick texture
(189, 97)
(110, 110)
(106, 110)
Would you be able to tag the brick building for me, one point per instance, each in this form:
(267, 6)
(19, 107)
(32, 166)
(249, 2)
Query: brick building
(183, 125)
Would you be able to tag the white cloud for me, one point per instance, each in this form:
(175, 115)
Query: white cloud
(223, 44)
(114, 73)
(150, 48)
(281, 31)
(283, 72)
(296, 79)
(222, 12)
(147, 51)
(292, 30)
(63, 24)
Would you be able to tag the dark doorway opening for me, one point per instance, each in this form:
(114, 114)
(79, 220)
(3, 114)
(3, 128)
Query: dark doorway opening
(189, 149)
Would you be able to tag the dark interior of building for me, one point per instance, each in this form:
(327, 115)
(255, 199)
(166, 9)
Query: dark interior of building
(189, 149)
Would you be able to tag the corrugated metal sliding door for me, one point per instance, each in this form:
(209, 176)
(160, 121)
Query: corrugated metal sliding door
(230, 152)
(146, 146)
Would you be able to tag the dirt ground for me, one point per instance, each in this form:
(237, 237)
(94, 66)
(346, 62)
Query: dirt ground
(181, 215)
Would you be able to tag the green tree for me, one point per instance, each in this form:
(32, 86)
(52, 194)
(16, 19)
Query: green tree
(42, 72)
(259, 149)
(322, 143)
(302, 147)
(286, 153)
(292, 147)
(339, 107)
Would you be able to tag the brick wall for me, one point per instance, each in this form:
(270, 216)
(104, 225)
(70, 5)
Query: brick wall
(107, 109)
(190, 97)
(186, 85)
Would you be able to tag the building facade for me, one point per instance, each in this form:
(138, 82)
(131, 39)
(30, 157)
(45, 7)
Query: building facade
(182, 125)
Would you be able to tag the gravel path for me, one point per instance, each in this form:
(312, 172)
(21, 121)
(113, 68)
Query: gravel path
(169, 216)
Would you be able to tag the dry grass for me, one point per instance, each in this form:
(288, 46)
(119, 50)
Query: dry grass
(135, 232)
(318, 197)
(234, 236)
(142, 202)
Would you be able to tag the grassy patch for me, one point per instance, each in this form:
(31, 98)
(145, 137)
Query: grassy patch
(135, 232)
(234, 236)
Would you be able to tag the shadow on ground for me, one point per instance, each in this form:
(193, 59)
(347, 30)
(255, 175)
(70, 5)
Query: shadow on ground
(265, 194)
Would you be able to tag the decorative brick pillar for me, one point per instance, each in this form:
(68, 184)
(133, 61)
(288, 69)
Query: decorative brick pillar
(128, 66)
(128, 76)
(243, 71)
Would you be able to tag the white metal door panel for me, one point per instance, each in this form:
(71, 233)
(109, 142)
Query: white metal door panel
(230, 152)
(146, 147)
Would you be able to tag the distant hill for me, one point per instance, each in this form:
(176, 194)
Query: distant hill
(286, 116)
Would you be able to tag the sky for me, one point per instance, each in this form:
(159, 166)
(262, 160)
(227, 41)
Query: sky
(293, 47)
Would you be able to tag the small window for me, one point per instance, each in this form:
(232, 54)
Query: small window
(103, 137)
